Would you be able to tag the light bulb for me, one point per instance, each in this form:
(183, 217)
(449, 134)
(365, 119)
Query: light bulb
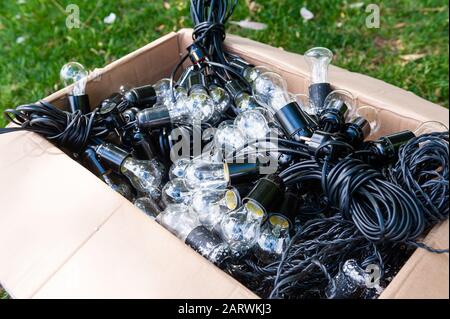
(371, 115)
(252, 124)
(180, 220)
(212, 205)
(200, 106)
(220, 97)
(162, 89)
(241, 228)
(178, 169)
(306, 104)
(228, 138)
(252, 73)
(245, 101)
(340, 100)
(270, 90)
(273, 239)
(74, 73)
(203, 174)
(176, 192)
(318, 60)
(430, 127)
(148, 206)
(145, 176)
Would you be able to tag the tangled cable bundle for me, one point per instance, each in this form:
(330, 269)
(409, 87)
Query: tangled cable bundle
(67, 130)
(423, 169)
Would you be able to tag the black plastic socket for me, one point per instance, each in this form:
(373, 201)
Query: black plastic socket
(79, 103)
(318, 92)
(141, 97)
(293, 121)
(268, 192)
(153, 118)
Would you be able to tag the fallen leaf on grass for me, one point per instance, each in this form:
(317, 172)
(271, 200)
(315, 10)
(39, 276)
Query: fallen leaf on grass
(306, 14)
(412, 57)
(110, 18)
(166, 5)
(252, 25)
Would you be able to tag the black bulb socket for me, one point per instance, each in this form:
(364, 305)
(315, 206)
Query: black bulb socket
(153, 118)
(79, 103)
(240, 65)
(141, 97)
(356, 131)
(385, 149)
(333, 117)
(130, 115)
(206, 243)
(142, 147)
(318, 92)
(111, 115)
(242, 172)
(290, 206)
(112, 156)
(293, 121)
(268, 192)
(92, 163)
(197, 54)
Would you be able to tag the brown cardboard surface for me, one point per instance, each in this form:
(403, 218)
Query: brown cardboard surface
(65, 234)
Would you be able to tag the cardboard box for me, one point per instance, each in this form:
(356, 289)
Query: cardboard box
(65, 234)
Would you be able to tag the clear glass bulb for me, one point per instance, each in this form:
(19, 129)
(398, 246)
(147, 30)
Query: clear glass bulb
(74, 73)
(306, 104)
(273, 239)
(270, 90)
(318, 60)
(337, 98)
(220, 97)
(145, 176)
(204, 174)
(371, 115)
(241, 228)
(162, 89)
(245, 102)
(200, 106)
(178, 169)
(179, 219)
(228, 138)
(252, 73)
(148, 206)
(430, 127)
(118, 184)
(212, 205)
(176, 192)
(252, 124)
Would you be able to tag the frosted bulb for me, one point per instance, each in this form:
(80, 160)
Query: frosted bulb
(212, 205)
(74, 73)
(430, 127)
(176, 192)
(371, 115)
(319, 59)
(145, 176)
(252, 124)
(339, 99)
(270, 90)
(252, 73)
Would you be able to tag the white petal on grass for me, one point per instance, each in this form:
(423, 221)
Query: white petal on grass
(21, 1)
(110, 18)
(356, 5)
(20, 40)
(252, 25)
(306, 14)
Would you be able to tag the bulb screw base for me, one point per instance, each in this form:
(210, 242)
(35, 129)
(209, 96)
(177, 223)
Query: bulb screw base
(79, 103)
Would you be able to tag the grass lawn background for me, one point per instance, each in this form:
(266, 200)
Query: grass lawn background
(409, 50)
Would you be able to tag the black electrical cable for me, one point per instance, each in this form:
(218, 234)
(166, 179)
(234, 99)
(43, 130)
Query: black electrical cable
(72, 131)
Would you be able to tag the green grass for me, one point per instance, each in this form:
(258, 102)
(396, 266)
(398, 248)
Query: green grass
(29, 70)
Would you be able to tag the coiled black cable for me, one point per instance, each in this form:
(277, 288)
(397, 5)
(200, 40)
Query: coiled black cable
(423, 169)
(72, 131)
